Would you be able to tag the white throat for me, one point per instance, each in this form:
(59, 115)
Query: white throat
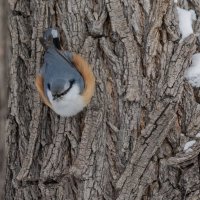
(70, 104)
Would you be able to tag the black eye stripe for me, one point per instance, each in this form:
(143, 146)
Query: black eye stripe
(66, 91)
(48, 86)
(56, 42)
(71, 82)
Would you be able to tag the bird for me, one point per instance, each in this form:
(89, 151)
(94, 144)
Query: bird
(65, 82)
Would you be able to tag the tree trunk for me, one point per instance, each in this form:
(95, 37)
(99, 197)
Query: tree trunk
(128, 143)
(3, 91)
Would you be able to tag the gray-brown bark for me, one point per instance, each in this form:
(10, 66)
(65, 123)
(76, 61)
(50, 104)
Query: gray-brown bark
(128, 143)
(3, 92)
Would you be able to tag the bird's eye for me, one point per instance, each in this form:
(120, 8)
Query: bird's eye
(71, 82)
(48, 86)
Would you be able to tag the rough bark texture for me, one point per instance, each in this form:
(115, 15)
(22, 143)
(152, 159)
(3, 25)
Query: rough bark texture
(128, 143)
(3, 91)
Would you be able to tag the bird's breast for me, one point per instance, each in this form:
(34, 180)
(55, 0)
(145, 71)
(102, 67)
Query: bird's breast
(68, 105)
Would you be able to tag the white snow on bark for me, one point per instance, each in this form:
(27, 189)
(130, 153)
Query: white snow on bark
(198, 135)
(188, 145)
(192, 74)
(185, 21)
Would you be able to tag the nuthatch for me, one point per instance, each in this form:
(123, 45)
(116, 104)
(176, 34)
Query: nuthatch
(65, 82)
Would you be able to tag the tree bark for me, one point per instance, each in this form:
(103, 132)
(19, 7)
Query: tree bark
(3, 91)
(128, 143)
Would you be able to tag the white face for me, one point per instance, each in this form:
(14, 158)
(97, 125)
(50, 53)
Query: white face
(68, 105)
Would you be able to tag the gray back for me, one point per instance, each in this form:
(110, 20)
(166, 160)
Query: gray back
(57, 66)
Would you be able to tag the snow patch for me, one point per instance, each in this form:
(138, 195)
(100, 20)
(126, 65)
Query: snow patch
(175, 1)
(185, 21)
(193, 14)
(198, 135)
(188, 145)
(192, 74)
(189, 150)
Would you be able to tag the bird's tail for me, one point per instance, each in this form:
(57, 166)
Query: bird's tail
(51, 38)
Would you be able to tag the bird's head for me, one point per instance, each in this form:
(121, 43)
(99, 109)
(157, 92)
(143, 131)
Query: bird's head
(60, 88)
(65, 97)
